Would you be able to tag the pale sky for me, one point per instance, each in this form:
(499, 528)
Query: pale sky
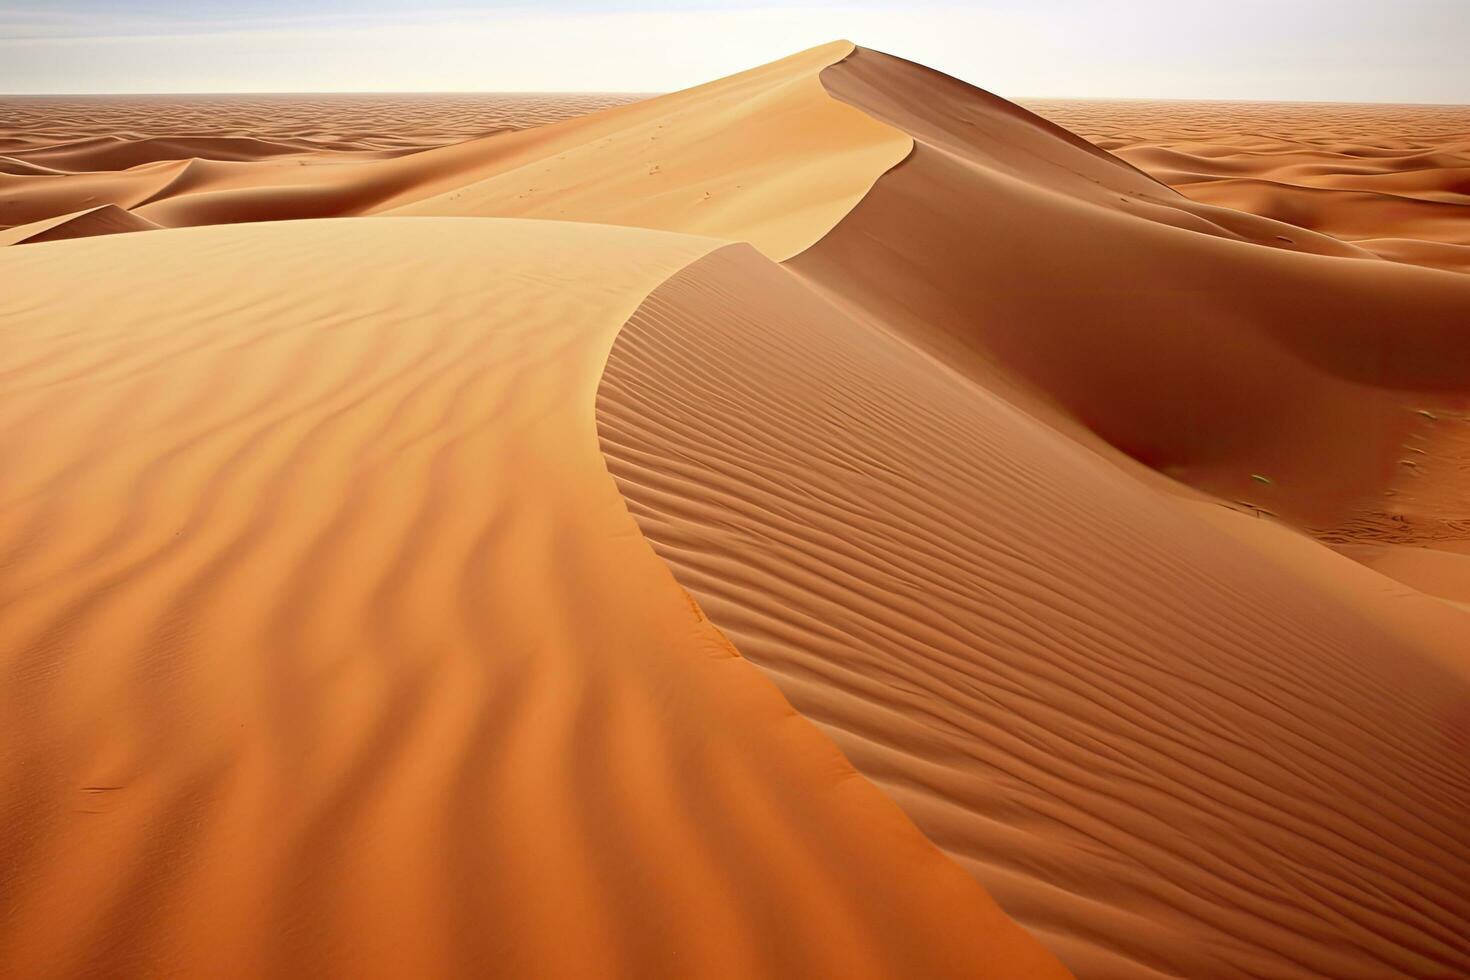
(1328, 50)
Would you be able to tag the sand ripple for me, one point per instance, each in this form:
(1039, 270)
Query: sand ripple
(1161, 751)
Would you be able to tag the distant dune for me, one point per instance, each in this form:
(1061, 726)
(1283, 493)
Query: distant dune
(331, 122)
(109, 219)
(827, 522)
(1395, 179)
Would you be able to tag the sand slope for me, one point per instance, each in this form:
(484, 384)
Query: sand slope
(1167, 749)
(1027, 487)
(765, 156)
(109, 219)
(1194, 341)
(1171, 739)
(311, 663)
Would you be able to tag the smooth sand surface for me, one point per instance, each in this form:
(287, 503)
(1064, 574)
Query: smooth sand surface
(1390, 177)
(1435, 572)
(765, 156)
(312, 663)
(986, 517)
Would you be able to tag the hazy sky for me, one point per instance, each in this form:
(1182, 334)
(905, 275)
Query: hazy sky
(1344, 50)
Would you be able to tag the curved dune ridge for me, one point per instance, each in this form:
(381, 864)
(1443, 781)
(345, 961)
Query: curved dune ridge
(109, 219)
(1193, 339)
(975, 515)
(1163, 750)
(764, 156)
(1169, 738)
(314, 661)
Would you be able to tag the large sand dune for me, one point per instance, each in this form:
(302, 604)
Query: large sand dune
(1163, 752)
(765, 156)
(997, 563)
(312, 663)
(1391, 178)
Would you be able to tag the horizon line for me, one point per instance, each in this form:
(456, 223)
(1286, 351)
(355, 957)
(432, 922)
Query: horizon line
(650, 95)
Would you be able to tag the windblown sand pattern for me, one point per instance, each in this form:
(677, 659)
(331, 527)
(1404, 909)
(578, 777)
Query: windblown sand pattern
(827, 522)
(1159, 752)
(309, 667)
(1395, 178)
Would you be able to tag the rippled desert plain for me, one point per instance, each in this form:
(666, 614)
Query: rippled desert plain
(831, 521)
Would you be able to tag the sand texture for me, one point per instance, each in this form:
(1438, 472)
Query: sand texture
(1162, 752)
(55, 126)
(310, 661)
(828, 522)
(766, 156)
(1395, 179)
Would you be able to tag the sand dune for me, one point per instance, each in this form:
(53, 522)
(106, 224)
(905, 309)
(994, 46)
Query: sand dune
(116, 153)
(998, 562)
(341, 122)
(1164, 328)
(1163, 752)
(1170, 739)
(132, 149)
(1361, 173)
(311, 662)
(109, 219)
(765, 156)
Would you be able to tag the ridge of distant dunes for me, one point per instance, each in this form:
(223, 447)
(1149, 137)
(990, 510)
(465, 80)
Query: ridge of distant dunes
(1395, 179)
(109, 219)
(332, 122)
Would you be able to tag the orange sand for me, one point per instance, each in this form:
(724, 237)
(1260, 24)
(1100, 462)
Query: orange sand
(311, 666)
(1162, 750)
(1094, 546)
(765, 156)
(1391, 178)
(87, 127)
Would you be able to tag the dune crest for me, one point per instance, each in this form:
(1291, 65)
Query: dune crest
(1207, 350)
(312, 663)
(902, 474)
(733, 533)
(1166, 750)
(109, 219)
(765, 156)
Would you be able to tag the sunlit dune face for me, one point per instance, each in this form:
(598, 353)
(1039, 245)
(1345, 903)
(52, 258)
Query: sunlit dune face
(830, 521)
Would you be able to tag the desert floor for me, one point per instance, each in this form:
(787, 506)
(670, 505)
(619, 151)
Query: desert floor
(827, 522)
